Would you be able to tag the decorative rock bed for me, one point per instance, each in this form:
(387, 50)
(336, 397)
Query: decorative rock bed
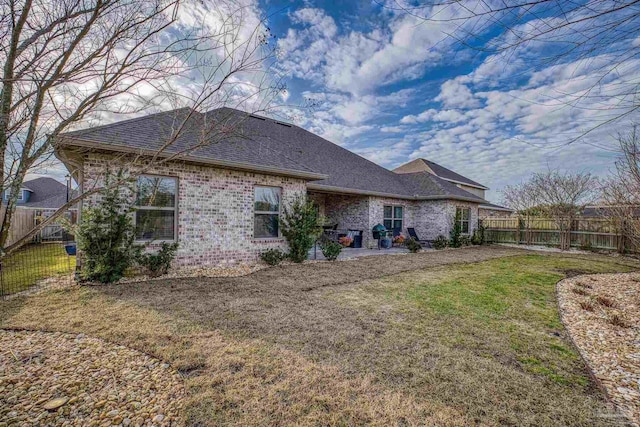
(72, 380)
(602, 314)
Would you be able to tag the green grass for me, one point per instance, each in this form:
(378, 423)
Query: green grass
(504, 308)
(24, 268)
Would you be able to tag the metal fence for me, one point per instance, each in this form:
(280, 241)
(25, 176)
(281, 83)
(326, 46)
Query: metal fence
(596, 233)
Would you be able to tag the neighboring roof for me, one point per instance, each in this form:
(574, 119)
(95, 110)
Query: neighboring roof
(420, 165)
(46, 193)
(495, 207)
(607, 211)
(263, 144)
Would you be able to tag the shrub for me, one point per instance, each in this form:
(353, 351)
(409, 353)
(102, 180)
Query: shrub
(157, 263)
(586, 305)
(605, 301)
(465, 241)
(580, 291)
(478, 235)
(456, 232)
(331, 250)
(300, 226)
(273, 256)
(105, 236)
(441, 242)
(586, 246)
(617, 320)
(413, 246)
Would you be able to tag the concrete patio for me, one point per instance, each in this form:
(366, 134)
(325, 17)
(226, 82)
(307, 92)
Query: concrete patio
(350, 253)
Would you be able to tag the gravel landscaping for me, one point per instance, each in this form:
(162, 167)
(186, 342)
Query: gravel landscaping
(73, 380)
(602, 314)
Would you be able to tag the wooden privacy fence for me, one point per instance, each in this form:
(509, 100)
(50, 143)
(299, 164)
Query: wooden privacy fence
(596, 233)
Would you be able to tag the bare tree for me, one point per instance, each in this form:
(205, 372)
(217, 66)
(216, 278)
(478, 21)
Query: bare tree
(598, 34)
(71, 62)
(563, 197)
(621, 190)
(522, 198)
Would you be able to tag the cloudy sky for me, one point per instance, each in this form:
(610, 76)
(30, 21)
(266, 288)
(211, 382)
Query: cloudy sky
(393, 87)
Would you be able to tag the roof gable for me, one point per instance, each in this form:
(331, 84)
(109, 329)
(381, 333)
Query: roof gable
(424, 165)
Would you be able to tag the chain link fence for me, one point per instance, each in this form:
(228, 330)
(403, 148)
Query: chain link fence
(47, 261)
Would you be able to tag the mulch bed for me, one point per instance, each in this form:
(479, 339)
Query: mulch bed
(602, 314)
(64, 379)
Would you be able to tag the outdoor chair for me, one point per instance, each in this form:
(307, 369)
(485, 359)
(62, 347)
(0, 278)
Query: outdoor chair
(414, 236)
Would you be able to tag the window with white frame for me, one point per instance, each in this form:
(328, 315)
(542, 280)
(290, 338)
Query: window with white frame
(393, 217)
(464, 216)
(266, 212)
(156, 208)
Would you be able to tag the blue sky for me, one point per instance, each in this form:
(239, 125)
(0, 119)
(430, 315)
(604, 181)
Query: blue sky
(393, 88)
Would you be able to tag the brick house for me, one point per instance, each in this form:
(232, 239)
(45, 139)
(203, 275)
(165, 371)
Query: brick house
(221, 200)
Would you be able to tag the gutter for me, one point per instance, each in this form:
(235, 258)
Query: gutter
(79, 142)
(341, 190)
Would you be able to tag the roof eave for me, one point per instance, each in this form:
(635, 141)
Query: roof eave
(306, 175)
(496, 208)
(342, 190)
(468, 184)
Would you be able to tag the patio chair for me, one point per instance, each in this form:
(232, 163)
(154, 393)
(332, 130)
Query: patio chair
(414, 236)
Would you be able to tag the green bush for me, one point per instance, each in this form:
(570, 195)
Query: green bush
(441, 242)
(157, 263)
(273, 256)
(105, 236)
(586, 246)
(478, 235)
(301, 228)
(413, 245)
(456, 232)
(331, 250)
(465, 240)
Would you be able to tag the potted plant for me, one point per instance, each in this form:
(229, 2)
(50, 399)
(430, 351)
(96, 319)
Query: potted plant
(399, 240)
(345, 241)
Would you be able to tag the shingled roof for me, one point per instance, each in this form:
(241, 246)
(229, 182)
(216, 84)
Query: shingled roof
(262, 144)
(46, 193)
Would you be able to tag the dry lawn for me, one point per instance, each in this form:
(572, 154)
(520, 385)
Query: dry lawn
(464, 337)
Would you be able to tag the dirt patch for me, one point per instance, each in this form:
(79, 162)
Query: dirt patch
(602, 314)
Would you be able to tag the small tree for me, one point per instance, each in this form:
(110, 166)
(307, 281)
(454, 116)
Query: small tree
(522, 198)
(455, 234)
(621, 191)
(300, 226)
(105, 236)
(563, 196)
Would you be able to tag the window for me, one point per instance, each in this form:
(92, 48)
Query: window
(464, 215)
(393, 217)
(20, 195)
(156, 208)
(266, 212)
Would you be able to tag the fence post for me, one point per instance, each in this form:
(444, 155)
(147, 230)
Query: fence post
(518, 230)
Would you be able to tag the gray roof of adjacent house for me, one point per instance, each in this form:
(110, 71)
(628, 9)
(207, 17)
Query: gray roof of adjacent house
(235, 139)
(46, 193)
(488, 205)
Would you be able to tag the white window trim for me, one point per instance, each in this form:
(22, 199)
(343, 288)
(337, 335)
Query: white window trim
(158, 208)
(468, 221)
(255, 212)
(393, 218)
